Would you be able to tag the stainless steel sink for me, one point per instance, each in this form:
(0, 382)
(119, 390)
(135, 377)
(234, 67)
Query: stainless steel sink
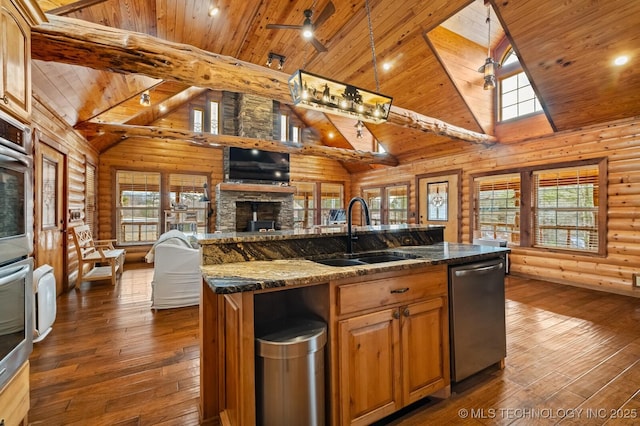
(340, 262)
(363, 258)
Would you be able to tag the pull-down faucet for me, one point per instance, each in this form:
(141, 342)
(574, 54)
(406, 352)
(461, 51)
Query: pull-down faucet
(365, 209)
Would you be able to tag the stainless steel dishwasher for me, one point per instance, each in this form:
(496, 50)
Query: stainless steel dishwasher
(477, 317)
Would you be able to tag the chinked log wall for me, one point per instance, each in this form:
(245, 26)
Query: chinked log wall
(619, 142)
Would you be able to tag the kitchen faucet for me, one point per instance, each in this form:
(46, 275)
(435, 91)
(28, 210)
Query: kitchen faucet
(365, 209)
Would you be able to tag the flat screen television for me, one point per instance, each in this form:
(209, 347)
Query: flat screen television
(256, 166)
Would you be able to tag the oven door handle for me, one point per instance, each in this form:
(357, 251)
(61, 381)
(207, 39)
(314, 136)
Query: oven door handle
(19, 274)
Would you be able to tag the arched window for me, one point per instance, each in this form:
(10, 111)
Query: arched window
(516, 95)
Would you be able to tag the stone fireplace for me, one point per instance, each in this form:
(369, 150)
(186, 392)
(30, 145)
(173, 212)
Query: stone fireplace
(236, 204)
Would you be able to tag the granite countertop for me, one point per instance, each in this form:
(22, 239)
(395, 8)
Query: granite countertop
(316, 232)
(258, 275)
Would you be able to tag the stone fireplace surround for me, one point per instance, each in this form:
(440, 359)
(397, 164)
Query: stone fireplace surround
(234, 205)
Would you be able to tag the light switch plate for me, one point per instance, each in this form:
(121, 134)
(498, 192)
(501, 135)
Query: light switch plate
(636, 280)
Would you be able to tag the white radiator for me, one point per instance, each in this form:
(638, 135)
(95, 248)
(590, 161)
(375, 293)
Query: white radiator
(44, 301)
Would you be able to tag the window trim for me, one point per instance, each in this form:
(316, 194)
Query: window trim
(527, 208)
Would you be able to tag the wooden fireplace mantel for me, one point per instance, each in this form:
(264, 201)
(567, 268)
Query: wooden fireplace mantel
(254, 187)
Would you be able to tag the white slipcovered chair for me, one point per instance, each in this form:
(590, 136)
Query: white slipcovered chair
(177, 280)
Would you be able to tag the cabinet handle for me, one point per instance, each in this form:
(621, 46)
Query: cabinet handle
(400, 290)
(5, 99)
(396, 314)
(406, 312)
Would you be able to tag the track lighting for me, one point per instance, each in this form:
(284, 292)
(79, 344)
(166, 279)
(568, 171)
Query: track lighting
(275, 56)
(145, 98)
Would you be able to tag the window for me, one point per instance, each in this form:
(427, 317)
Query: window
(560, 207)
(197, 119)
(90, 197)
(137, 207)
(284, 127)
(331, 197)
(517, 97)
(304, 205)
(295, 134)
(214, 117)
(373, 197)
(388, 204)
(498, 207)
(188, 190)
(566, 208)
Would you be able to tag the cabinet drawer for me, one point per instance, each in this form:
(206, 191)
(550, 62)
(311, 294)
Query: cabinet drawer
(389, 289)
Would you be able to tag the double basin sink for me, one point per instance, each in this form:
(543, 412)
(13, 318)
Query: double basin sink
(354, 259)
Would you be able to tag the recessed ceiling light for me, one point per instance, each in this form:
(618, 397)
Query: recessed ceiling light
(621, 60)
(386, 66)
(331, 135)
(213, 10)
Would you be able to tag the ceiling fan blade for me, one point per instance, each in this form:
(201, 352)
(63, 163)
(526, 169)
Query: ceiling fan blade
(325, 14)
(283, 27)
(319, 46)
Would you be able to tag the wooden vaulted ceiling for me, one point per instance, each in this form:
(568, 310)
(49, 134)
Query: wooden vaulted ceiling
(565, 47)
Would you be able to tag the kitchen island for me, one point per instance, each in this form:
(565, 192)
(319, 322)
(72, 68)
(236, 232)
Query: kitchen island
(393, 314)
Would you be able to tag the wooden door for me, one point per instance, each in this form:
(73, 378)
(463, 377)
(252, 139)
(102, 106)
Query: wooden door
(439, 203)
(50, 217)
(424, 346)
(369, 367)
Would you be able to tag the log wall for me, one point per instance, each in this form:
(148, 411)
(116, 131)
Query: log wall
(619, 142)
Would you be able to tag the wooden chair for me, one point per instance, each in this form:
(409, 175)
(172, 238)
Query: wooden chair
(105, 261)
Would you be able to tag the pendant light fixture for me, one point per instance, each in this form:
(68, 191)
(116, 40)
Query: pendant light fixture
(145, 98)
(313, 91)
(489, 67)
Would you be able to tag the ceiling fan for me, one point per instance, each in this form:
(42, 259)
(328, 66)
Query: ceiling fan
(308, 26)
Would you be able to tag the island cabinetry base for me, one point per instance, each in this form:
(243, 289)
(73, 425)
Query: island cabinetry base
(393, 350)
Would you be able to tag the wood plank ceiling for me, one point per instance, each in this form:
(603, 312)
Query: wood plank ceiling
(566, 49)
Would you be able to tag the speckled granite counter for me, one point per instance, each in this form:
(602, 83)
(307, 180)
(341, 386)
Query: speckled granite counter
(258, 275)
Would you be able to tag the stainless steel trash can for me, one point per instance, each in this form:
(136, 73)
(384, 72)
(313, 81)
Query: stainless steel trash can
(290, 374)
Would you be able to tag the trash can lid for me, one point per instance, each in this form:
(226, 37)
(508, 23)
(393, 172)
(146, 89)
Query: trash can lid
(292, 338)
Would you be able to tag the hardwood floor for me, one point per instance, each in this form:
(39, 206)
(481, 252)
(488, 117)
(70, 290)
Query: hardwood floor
(111, 360)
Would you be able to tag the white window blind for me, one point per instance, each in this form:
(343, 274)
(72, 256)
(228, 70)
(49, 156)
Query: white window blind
(497, 212)
(566, 208)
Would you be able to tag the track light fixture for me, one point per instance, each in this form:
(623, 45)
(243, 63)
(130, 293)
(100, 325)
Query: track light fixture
(276, 57)
(145, 98)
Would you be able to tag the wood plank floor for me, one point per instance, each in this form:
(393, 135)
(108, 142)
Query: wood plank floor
(573, 358)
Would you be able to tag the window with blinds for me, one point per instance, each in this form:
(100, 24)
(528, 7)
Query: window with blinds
(90, 197)
(497, 207)
(331, 197)
(304, 205)
(137, 207)
(565, 213)
(188, 191)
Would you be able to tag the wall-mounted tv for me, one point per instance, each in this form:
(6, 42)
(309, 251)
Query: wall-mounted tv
(256, 166)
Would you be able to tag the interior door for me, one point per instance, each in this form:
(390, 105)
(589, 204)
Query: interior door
(50, 218)
(439, 203)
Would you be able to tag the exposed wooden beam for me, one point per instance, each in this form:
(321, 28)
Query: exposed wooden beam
(78, 42)
(124, 131)
(74, 7)
(104, 141)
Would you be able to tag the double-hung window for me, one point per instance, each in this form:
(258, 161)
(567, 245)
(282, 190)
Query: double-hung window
(557, 207)
(137, 207)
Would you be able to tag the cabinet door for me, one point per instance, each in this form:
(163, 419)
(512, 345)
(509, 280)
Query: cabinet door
(15, 54)
(424, 347)
(369, 367)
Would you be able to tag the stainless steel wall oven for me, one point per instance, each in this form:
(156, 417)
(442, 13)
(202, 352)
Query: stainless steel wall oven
(16, 246)
(16, 191)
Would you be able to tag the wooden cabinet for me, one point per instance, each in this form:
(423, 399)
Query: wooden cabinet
(14, 398)
(15, 61)
(392, 344)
